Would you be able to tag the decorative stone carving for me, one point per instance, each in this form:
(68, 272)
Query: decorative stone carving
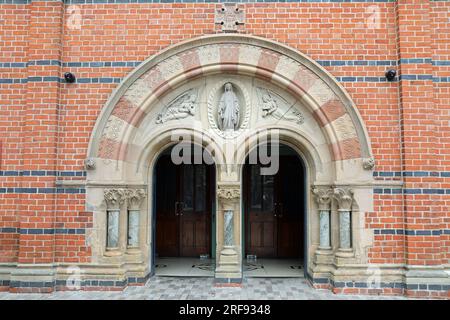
(114, 198)
(344, 197)
(323, 197)
(272, 104)
(369, 163)
(89, 163)
(110, 136)
(181, 107)
(229, 17)
(134, 198)
(228, 192)
(228, 111)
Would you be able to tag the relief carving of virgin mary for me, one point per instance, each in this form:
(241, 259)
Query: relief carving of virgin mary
(228, 112)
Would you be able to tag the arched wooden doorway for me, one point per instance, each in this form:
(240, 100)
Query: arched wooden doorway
(274, 208)
(184, 206)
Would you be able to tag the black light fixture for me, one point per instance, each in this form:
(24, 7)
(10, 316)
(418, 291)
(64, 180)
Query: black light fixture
(390, 74)
(69, 77)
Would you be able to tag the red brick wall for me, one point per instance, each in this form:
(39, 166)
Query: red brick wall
(47, 125)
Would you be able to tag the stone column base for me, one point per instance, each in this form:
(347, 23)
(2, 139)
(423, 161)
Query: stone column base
(344, 257)
(323, 256)
(228, 264)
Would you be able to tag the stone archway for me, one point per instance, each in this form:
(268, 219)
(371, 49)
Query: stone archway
(177, 91)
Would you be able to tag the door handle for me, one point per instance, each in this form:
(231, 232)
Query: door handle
(176, 208)
(182, 207)
(275, 208)
(280, 213)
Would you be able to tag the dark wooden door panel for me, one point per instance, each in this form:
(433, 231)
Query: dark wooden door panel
(167, 238)
(166, 219)
(183, 224)
(273, 210)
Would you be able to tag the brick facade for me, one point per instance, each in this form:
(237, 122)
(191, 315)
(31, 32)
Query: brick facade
(46, 123)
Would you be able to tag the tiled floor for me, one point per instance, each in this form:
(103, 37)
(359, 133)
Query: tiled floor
(184, 267)
(274, 268)
(180, 288)
(192, 267)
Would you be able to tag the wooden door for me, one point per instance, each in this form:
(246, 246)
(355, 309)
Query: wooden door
(289, 208)
(274, 210)
(195, 213)
(261, 221)
(167, 225)
(183, 209)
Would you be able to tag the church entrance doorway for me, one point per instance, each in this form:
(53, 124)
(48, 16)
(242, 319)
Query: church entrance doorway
(274, 206)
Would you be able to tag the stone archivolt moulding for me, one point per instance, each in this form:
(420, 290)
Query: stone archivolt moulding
(324, 97)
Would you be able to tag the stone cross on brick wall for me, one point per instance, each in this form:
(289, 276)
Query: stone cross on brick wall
(229, 16)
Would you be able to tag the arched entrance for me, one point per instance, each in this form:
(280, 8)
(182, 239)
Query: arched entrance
(274, 206)
(184, 91)
(184, 216)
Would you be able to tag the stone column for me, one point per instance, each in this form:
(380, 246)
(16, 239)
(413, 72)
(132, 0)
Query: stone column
(134, 201)
(228, 268)
(344, 198)
(114, 199)
(323, 254)
(323, 198)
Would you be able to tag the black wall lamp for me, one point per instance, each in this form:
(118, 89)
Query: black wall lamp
(390, 74)
(69, 77)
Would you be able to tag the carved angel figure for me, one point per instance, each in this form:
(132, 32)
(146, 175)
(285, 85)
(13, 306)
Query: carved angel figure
(180, 109)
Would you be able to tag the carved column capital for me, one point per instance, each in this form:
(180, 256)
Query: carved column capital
(228, 191)
(323, 196)
(114, 198)
(134, 198)
(344, 197)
